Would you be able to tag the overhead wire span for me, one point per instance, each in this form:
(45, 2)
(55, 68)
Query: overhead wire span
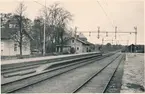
(105, 13)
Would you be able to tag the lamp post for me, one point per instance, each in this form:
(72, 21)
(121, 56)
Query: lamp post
(44, 25)
(44, 30)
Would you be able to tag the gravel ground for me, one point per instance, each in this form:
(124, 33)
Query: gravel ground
(133, 77)
(67, 82)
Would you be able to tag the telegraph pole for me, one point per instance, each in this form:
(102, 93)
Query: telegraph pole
(98, 32)
(115, 34)
(135, 37)
(102, 41)
(75, 38)
(106, 32)
(115, 31)
(44, 30)
(44, 25)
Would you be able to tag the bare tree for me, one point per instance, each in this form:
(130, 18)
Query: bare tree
(19, 17)
(37, 34)
(58, 18)
(56, 23)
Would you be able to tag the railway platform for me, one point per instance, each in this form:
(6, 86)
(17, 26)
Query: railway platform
(84, 69)
(133, 77)
(5, 62)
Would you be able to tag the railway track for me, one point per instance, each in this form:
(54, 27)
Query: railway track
(19, 69)
(68, 82)
(11, 68)
(15, 85)
(99, 81)
(51, 66)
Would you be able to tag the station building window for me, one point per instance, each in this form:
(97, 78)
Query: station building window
(87, 49)
(15, 47)
(77, 48)
(72, 41)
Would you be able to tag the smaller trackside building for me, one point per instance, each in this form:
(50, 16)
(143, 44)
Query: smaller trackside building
(80, 45)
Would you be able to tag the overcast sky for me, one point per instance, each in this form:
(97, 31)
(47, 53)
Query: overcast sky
(88, 15)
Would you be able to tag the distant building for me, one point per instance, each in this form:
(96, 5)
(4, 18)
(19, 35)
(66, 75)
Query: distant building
(136, 48)
(9, 47)
(79, 43)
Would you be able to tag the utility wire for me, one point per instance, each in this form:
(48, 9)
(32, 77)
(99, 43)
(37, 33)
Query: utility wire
(105, 13)
(44, 40)
(108, 11)
(105, 2)
(39, 3)
(111, 21)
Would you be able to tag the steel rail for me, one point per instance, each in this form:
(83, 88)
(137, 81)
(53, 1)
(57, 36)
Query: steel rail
(57, 64)
(39, 80)
(19, 69)
(31, 83)
(36, 65)
(105, 88)
(95, 74)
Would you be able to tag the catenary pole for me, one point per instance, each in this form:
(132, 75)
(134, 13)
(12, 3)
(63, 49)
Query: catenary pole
(135, 39)
(75, 38)
(44, 29)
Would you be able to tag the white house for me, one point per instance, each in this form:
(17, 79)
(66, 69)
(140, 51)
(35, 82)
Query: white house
(11, 48)
(79, 43)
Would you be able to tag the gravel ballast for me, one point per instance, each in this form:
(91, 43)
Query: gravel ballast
(66, 83)
(116, 82)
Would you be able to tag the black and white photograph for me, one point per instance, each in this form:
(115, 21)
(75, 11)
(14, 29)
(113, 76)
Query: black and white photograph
(72, 46)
